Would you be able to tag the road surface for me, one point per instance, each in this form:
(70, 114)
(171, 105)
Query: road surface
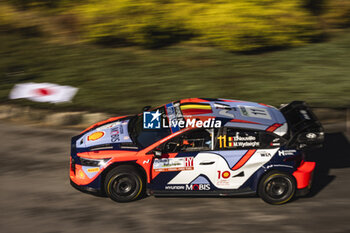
(36, 196)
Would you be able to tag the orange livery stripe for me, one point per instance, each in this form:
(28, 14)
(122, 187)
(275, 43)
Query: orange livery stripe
(244, 159)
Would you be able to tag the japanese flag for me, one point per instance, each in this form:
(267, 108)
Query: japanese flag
(43, 92)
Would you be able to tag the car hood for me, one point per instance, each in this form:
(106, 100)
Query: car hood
(114, 132)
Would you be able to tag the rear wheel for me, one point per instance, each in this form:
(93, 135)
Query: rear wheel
(277, 187)
(124, 183)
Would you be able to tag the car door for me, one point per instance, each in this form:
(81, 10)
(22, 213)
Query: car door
(186, 162)
(242, 152)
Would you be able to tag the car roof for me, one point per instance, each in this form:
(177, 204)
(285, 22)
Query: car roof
(233, 113)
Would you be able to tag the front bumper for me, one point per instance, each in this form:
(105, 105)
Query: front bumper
(80, 179)
(303, 176)
(85, 189)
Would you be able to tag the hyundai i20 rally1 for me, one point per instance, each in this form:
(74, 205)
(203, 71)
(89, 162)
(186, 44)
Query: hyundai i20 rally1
(199, 146)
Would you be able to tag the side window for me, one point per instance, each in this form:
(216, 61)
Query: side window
(194, 140)
(146, 137)
(244, 139)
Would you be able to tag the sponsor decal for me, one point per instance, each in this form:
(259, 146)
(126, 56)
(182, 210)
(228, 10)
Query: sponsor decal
(224, 175)
(108, 126)
(115, 133)
(151, 120)
(174, 187)
(189, 162)
(189, 187)
(278, 165)
(173, 164)
(95, 136)
(305, 115)
(198, 187)
(95, 169)
(264, 154)
(276, 142)
(223, 178)
(146, 161)
(286, 152)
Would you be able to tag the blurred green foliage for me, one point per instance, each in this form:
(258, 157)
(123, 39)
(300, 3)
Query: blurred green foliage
(123, 80)
(252, 25)
(130, 22)
(337, 13)
(26, 4)
(240, 25)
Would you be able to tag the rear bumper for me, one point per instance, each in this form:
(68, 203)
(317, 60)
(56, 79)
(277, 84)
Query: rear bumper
(302, 192)
(303, 176)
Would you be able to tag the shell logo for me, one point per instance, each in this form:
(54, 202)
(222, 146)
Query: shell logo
(226, 174)
(95, 136)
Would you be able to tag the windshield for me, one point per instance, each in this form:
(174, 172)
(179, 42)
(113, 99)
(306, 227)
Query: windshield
(146, 137)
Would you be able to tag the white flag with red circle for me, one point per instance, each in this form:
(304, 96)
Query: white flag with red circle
(43, 92)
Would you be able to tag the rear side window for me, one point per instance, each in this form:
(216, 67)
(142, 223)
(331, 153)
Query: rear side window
(243, 139)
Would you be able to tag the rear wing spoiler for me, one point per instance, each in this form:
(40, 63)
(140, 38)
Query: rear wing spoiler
(305, 130)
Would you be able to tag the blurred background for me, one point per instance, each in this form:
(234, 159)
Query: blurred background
(92, 59)
(125, 54)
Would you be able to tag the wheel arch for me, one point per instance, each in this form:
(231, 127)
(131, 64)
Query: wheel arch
(270, 173)
(258, 175)
(139, 168)
(278, 169)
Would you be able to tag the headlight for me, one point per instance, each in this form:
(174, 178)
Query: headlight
(93, 162)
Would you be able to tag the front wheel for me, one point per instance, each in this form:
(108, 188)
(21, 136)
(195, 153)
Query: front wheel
(277, 187)
(124, 183)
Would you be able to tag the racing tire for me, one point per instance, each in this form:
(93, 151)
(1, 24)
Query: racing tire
(124, 184)
(277, 187)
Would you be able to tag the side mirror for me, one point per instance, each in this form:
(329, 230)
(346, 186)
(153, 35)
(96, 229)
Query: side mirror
(146, 108)
(157, 153)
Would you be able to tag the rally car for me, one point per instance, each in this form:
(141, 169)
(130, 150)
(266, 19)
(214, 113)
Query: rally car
(199, 146)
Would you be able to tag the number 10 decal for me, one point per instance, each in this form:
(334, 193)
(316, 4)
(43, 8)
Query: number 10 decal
(224, 175)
